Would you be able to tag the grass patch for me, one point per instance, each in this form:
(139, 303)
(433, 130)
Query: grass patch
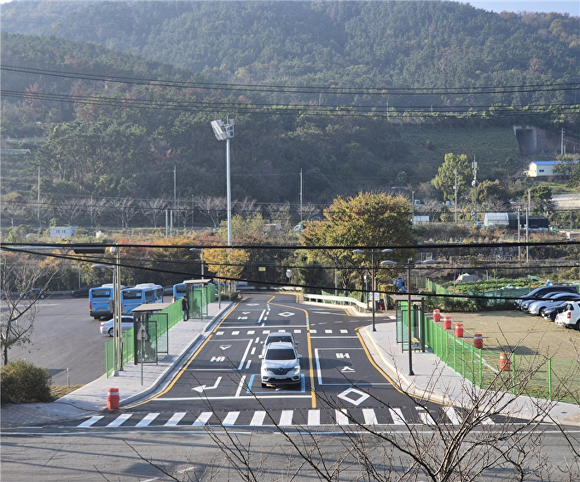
(59, 391)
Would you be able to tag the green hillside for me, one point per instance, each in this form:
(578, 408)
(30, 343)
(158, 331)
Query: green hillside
(355, 95)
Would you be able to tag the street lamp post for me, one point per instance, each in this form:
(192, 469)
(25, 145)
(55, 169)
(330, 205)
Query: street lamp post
(117, 346)
(226, 132)
(373, 277)
(409, 331)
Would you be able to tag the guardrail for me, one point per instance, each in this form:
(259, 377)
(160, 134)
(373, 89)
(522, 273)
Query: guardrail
(337, 300)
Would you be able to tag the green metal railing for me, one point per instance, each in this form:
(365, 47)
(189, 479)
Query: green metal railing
(532, 375)
(199, 300)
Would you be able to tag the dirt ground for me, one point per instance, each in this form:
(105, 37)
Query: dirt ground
(519, 333)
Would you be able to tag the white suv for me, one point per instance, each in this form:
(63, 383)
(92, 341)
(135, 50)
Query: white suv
(280, 365)
(570, 317)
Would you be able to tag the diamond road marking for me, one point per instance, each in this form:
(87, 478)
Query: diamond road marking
(361, 396)
(286, 314)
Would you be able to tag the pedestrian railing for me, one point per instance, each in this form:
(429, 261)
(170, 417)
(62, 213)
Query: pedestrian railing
(532, 375)
(199, 300)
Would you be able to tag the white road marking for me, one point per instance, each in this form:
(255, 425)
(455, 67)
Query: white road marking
(175, 419)
(147, 419)
(258, 418)
(231, 418)
(91, 421)
(202, 419)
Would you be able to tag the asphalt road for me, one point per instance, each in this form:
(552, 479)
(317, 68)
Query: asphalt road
(195, 455)
(65, 337)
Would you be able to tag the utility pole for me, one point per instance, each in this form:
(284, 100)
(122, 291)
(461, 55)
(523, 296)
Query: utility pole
(300, 194)
(455, 188)
(474, 184)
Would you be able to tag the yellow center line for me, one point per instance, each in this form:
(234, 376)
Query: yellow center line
(186, 366)
(312, 387)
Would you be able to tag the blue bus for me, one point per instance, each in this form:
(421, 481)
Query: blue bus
(178, 291)
(158, 290)
(131, 298)
(101, 301)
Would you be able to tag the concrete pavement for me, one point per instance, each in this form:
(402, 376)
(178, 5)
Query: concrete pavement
(432, 379)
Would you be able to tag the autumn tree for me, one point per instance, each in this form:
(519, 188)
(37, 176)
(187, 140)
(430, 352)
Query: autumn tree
(368, 219)
(445, 178)
(227, 264)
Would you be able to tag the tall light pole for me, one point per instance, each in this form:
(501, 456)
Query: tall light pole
(117, 347)
(226, 132)
(409, 320)
(373, 277)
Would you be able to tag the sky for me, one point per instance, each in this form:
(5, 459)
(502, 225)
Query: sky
(561, 6)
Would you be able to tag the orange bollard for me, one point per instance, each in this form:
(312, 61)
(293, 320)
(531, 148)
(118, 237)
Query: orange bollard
(113, 399)
(447, 322)
(478, 341)
(458, 330)
(504, 362)
(436, 315)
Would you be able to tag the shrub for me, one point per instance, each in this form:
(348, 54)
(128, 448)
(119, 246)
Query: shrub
(24, 382)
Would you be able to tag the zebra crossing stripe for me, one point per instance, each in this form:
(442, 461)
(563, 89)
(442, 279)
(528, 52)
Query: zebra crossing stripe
(231, 418)
(286, 418)
(341, 417)
(258, 418)
(147, 419)
(370, 416)
(426, 417)
(120, 420)
(313, 418)
(202, 419)
(91, 421)
(452, 415)
(397, 416)
(175, 419)
(487, 421)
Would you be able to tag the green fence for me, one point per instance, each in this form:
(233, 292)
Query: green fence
(532, 375)
(199, 300)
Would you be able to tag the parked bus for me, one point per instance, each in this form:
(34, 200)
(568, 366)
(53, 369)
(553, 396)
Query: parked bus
(158, 290)
(131, 298)
(179, 289)
(101, 301)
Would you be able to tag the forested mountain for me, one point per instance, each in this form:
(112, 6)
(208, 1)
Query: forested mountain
(356, 95)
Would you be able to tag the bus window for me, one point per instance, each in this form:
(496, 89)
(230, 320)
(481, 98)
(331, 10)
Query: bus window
(178, 291)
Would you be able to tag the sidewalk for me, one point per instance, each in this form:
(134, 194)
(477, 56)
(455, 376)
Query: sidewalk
(432, 379)
(183, 339)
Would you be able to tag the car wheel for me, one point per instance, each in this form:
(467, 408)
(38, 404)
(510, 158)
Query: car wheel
(578, 325)
(263, 385)
(111, 332)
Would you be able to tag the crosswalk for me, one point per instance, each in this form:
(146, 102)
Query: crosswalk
(387, 416)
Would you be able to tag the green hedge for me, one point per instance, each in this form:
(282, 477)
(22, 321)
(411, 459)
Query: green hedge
(24, 382)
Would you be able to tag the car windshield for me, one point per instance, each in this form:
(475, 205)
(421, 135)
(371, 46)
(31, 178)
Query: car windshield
(279, 338)
(280, 354)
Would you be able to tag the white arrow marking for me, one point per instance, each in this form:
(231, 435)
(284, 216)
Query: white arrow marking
(347, 369)
(205, 387)
(225, 347)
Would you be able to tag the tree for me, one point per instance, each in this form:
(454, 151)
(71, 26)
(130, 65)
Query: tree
(226, 263)
(17, 319)
(153, 208)
(445, 178)
(368, 219)
(213, 207)
(541, 198)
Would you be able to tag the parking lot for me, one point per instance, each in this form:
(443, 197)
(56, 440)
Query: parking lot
(519, 333)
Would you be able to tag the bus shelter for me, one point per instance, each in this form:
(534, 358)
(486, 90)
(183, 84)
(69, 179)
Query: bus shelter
(151, 332)
(417, 331)
(197, 295)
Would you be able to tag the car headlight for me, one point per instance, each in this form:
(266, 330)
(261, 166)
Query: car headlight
(297, 370)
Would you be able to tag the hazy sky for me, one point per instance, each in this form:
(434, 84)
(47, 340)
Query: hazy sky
(561, 6)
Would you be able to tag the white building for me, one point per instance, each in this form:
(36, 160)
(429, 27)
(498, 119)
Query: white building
(63, 231)
(547, 168)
